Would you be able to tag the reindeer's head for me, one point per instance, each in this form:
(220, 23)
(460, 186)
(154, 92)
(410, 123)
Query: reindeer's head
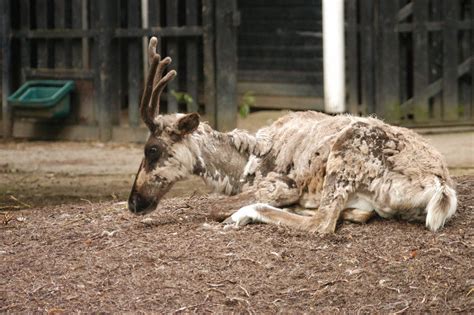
(167, 159)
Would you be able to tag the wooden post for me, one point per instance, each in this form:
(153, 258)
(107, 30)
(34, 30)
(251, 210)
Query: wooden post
(105, 68)
(134, 65)
(192, 56)
(6, 69)
(226, 64)
(450, 60)
(172, 51)
(76, 45)
(42, 45)
(367, 56)
(420, 60)
(59, 44)
(208, 43)
(25, 46)
(352, 56)
(388, 100)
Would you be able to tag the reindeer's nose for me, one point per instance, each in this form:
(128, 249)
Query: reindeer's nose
(137, 204)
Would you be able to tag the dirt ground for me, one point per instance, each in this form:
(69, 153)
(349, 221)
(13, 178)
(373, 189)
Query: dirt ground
(67, 243)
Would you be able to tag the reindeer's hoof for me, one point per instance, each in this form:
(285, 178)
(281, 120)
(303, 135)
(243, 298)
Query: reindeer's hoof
(243, 216)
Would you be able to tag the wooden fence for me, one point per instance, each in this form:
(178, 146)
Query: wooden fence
(411, 62)
(99, 45)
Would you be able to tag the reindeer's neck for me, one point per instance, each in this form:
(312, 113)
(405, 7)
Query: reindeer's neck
(222, 157)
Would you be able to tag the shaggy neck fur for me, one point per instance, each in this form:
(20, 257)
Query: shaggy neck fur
(220, 158)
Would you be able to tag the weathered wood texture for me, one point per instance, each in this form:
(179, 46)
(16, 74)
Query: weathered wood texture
(226, 64)
(413, 60)
(98, 44)
(6, 66)
(280, 43)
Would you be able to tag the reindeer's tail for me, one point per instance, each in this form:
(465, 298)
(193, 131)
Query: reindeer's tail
(441, 206)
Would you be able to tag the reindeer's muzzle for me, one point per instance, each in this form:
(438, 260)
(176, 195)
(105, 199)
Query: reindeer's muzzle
(137, 204)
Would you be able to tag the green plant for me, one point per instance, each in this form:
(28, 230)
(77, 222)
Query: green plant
(248, 100)
(182, 97)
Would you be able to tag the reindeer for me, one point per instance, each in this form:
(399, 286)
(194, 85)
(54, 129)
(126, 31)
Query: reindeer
(334, 167)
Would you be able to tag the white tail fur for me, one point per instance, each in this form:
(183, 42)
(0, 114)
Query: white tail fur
(441, 207)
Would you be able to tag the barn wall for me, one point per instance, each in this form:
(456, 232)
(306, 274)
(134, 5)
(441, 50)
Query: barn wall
(280, 53)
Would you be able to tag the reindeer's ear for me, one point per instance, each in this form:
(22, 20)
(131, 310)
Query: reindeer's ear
(188, 123)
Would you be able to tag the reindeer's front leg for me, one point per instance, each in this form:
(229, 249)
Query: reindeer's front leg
(272, 191)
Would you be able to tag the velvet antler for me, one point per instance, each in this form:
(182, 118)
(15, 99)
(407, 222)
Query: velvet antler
(154, 85)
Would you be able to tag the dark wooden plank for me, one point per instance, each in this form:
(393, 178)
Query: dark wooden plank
(450, 61)
(76, 44)
(352, 56)
(367, 56)
(41, 23)
(314, 64)
(134, 68)
(172, 51)
(59, 51)
(55, 34)
(192, 62)
(388, 102)
(299, 77)
(420, 60)
(154, 13)
(85, 41)
(7, 116)
(226, 65)
(45, 73)
(209, 61)
(107, 69)
(280, 89)
(154, 19)
(469, 110)
(25, 45)
(168, 31)
(278, 3)
(68, 43)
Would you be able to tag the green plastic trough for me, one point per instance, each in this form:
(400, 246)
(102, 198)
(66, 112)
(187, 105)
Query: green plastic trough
(43, 99)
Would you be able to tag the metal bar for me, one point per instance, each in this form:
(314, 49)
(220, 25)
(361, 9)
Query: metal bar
(333, 56)
(192, 62)
(7, 115)
(209, 61)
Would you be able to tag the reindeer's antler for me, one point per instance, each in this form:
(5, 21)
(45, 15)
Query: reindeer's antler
(154, 85)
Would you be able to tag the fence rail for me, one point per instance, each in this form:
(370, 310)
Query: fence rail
(100, 45)
(411, 62)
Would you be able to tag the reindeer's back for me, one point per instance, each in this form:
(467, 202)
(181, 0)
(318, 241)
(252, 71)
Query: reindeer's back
(301, 143)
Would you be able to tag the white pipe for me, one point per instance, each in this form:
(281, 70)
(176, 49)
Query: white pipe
(145, 24)
(333, 56)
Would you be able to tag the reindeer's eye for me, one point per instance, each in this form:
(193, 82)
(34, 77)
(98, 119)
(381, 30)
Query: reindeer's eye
(152, 153)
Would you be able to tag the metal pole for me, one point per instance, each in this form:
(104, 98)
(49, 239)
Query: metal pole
(333, 56)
